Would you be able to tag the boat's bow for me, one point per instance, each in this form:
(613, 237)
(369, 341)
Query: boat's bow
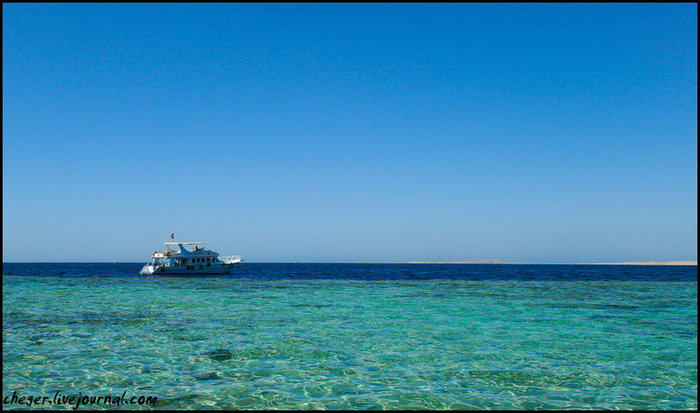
(148, 269)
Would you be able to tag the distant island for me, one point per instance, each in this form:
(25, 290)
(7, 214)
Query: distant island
(647, 263)
(549, 263)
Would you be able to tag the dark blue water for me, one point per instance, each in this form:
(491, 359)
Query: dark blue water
(321, 271)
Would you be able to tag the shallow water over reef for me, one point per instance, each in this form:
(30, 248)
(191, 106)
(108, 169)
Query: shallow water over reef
(356, 336)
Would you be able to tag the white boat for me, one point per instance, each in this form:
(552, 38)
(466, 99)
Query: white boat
(178, 260)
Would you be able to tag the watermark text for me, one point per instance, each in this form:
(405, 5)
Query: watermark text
(75, 401)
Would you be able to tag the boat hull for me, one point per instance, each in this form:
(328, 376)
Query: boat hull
(214, 269)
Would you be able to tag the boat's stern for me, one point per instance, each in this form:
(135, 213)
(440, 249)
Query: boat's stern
(231, 259)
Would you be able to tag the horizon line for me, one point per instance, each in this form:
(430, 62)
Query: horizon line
(494, 262)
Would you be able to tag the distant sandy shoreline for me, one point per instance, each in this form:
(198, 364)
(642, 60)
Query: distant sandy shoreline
(554, 263)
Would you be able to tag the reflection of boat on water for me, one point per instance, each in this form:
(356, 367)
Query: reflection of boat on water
(177, 260)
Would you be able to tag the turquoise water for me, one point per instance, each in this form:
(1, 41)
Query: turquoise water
(246, 343)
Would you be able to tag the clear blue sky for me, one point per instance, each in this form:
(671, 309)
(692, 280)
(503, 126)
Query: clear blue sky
(351, 132)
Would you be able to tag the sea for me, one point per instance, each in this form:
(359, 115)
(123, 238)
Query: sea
(351, 336)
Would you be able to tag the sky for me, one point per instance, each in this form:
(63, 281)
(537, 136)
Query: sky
(351, 132)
